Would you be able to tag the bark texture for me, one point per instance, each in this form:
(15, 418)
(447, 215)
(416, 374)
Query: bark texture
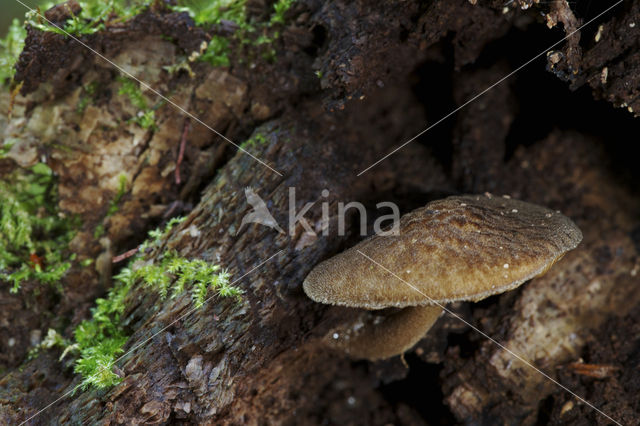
(388, 70)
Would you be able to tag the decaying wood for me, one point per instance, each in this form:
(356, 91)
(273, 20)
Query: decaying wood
(265, 359)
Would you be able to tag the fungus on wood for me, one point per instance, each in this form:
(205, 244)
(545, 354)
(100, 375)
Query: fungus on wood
(462, 248)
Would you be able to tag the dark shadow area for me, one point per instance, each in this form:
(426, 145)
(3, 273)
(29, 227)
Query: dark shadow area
(421, 391)
(432, 84)
(545, 102)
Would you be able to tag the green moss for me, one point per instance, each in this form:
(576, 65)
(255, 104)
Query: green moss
(6, 145)
(155, 236)
(212, 12)
(217, 52)
(99, 231)
(96, 14)
(122, 189)
(91, 19)
(208, 13)
(34, 235)
(10, 48)
(248, 32)
(88, 95)
(280, 7)
(145, 117)
(100, 339)
(254, 141)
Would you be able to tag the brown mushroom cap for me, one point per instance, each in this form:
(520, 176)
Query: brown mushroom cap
(460, 248)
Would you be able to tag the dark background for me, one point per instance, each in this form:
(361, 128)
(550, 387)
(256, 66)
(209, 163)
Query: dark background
(10, 9)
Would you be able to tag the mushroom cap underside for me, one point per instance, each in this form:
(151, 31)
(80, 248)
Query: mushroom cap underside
(459, 248)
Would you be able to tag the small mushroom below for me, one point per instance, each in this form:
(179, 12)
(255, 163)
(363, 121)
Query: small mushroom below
(462, 248)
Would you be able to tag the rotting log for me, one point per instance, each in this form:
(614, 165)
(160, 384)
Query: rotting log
(264, 360)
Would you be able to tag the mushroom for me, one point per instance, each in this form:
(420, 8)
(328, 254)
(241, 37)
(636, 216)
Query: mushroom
(462, 248)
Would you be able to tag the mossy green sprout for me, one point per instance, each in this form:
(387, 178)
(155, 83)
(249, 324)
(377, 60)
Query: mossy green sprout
(114, 205)
(34, 234)
(88, 95)
(100, 339)
(5, 146)
(145, 117)
(280, 7)
(217, 52)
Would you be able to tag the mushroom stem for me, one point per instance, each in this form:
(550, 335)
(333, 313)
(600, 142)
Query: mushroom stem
(395, 335)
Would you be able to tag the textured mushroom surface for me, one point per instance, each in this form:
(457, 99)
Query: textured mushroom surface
(394, 335)
(459, 248)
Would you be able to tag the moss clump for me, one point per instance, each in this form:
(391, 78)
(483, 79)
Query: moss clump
(93, 16)
(101, 338)
(233, 13)
(197, 274)
(10, 48)
(33, 233)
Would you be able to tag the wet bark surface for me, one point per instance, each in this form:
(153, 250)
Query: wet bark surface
(386, 73)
